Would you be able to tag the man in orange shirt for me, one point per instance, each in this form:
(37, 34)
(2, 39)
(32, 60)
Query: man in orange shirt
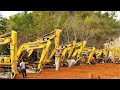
(93, 60)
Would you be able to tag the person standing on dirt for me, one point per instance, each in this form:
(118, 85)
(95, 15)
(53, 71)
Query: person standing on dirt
(57, 59)
(99, 59)
(23, 69)
(93, 60)
(109, 59)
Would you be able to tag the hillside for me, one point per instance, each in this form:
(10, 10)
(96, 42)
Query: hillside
(114, 43)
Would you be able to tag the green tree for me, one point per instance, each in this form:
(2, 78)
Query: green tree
(93, 26)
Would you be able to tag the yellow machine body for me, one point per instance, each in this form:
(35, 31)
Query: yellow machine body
(80, 47)
(50, 36)
(67, 51)
(10, 38)
(5, 59)
(89, 51)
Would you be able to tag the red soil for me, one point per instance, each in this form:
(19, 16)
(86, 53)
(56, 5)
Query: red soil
(105, 71)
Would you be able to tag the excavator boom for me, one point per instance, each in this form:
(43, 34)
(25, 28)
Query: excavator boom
(10, 38)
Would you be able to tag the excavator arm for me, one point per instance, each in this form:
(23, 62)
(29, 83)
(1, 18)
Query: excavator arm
(50, 36)
(29, 46)
(98, 54)
(43, 56)
(67, 49)
(78, 51)
(89, 51)
(106, 51)
(11, 38)
(4, 40)
(71, 49)
(119, 53)
(33, 45)
(92, 51)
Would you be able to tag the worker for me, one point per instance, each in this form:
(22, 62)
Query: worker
(93, 60)
(82, 59)
(23, 69)
(99, 60)
(110, 54)
(116, 58)
(103, 58)
(57, 59)
(109, 59)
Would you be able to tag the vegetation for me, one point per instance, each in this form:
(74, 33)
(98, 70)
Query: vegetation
(94, 27)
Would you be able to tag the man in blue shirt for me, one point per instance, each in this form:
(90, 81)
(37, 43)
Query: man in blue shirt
(23, 69)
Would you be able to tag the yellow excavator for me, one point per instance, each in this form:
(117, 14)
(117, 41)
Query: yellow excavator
(15, 55)
(70, 51)
(33, 45)
(10, 38)
(66, 52)
(78, 50)
(103, 54)
(88, 53)
(54, 35)
(107, 52)
(98, 53)
(48, 59)
(117, 61)
(76, 55)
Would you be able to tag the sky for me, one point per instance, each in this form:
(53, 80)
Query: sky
(6, 14)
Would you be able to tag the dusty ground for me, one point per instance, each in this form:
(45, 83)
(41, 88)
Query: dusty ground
(106, 71)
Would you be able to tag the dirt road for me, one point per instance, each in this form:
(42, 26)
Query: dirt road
(106, 71)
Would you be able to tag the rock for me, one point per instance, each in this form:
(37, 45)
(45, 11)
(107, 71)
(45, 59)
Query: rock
(93, 76)
(71, 62)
